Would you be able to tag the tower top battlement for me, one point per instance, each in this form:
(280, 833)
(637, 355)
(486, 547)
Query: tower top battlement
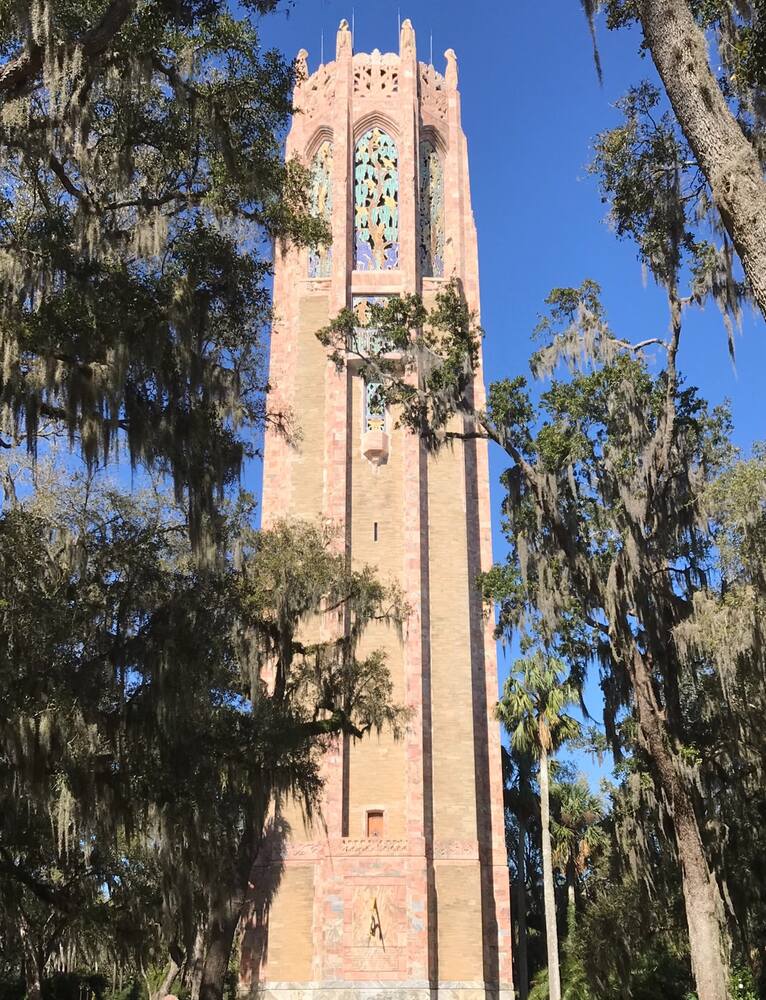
(376, 74)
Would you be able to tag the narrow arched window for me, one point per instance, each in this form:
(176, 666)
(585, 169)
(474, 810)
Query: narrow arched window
(431, 212)
(320, 257)
(376, 202)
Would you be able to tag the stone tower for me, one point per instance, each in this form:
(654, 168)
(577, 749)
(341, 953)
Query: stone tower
(401, 891)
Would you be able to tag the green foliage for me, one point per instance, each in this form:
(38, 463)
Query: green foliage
(742, 985)
(660, 199)
(441, 345)
(641, 174)
(142, 178)
(577, 826)
(615, 547)
(574, 985)
(141, 747)
(658, 193)
(534, 702)
(62, 986)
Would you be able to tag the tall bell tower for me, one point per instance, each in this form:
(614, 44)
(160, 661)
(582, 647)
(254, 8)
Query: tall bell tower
(400, 890)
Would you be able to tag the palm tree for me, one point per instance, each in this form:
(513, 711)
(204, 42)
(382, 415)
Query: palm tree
(577, 832)
(519, 769)
(533, 710)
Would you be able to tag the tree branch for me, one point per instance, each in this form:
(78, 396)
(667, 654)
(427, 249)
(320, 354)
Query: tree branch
(26, 67)
(40, 889)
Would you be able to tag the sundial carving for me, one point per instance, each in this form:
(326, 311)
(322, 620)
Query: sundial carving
(378, 933)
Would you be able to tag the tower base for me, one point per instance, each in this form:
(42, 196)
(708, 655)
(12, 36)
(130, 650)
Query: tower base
(380, 990)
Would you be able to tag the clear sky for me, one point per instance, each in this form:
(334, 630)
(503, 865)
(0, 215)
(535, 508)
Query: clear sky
(531, 107)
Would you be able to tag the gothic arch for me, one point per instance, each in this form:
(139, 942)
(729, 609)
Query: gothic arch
(375, 119)
(323, 134)
(436, 137)
(376, 201)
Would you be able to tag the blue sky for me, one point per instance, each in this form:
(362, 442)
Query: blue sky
(531, 107)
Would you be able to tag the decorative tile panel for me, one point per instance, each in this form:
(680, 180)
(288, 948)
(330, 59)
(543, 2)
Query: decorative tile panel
(376, 202)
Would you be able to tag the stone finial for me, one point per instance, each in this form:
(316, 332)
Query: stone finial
(407, 38)
(451, 74)
(343, 43)
(301, 66)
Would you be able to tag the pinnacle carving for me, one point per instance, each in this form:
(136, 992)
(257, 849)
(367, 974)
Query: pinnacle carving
(451, 73)
(407, 38)
(343, 43)
(301, 66)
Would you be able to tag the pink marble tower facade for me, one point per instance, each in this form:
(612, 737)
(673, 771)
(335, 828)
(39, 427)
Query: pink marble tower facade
(400, 888)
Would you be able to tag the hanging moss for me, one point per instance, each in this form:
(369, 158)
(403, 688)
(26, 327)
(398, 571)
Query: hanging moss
(142, 177)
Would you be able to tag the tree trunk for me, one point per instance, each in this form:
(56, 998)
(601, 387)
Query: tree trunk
(222, 924)
(226, 899)
(521, 913)
(549, 894)
(163, 988)
(33, 961)
(702, 897)
(571, 902)
(724, 154)
(193, 970)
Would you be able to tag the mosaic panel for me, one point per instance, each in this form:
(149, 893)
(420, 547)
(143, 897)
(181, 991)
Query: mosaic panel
(376, 202)
(320, 258)
(366, 339)
(431, 212)
(374, 408)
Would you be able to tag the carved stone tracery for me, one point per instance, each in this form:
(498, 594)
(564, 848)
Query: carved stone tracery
(376, 75)
(320, 257)
(431, 211)
(315, 93)
(433, 94)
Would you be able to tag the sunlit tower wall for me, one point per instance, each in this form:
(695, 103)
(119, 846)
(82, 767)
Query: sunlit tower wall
(400, 888)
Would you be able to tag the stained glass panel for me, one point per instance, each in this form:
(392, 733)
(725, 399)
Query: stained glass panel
(376, 202)
(320, 258)
(431, 212)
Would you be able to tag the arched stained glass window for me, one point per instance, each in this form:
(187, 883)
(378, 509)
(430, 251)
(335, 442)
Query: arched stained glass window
(376, 202)
(320, 257)
(431, 212)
